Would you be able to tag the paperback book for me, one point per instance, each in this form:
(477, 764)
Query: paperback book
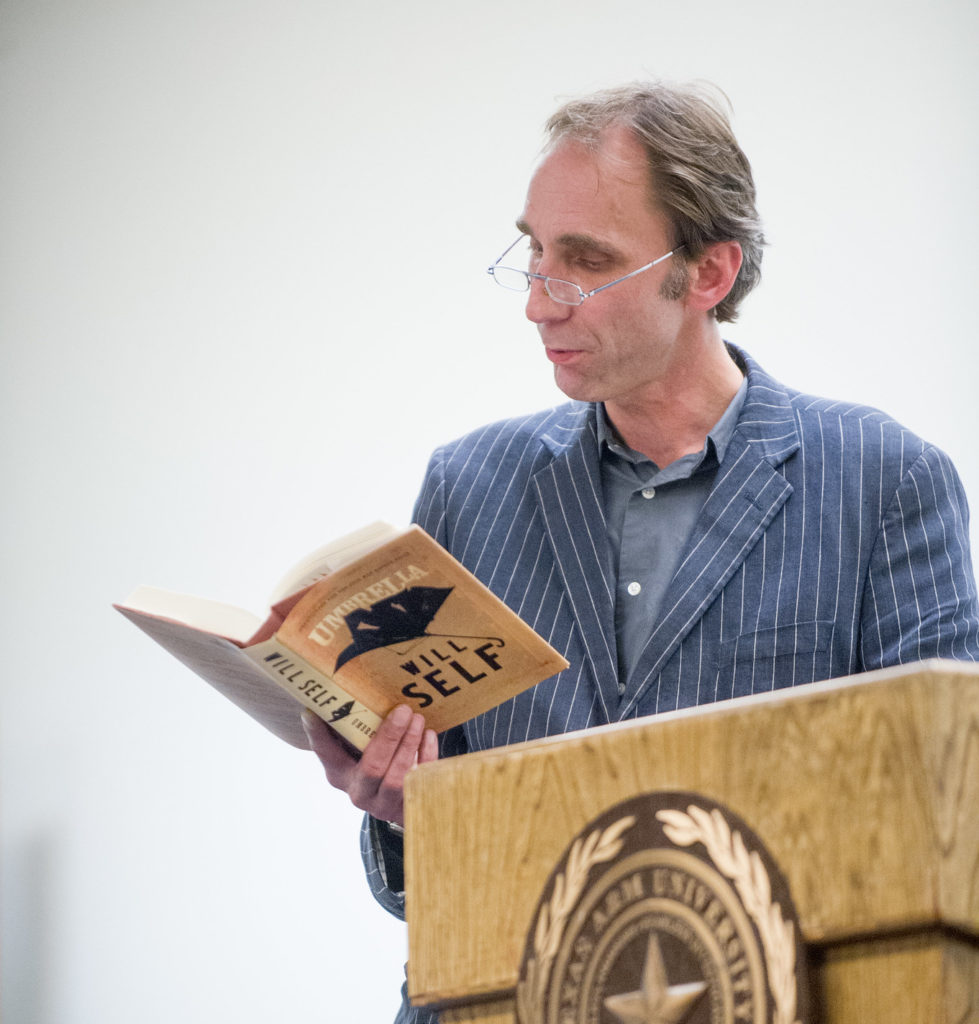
(380, 617)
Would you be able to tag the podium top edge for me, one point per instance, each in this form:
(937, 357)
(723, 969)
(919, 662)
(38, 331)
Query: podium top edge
(932, 668)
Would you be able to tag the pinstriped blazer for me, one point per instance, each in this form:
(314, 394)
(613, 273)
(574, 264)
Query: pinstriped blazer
(833, 541)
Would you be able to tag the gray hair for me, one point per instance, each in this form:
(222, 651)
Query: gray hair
(699, 175)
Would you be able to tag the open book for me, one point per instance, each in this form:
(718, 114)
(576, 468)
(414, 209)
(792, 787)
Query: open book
(377, 618)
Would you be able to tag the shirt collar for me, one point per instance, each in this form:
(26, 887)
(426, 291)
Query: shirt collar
(718, 437)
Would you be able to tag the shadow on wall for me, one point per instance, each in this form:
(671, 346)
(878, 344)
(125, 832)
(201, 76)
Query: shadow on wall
(30, 912)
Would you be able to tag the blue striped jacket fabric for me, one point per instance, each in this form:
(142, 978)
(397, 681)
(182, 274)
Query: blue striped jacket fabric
(834, 541)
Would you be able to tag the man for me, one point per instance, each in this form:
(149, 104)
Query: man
(686, 529)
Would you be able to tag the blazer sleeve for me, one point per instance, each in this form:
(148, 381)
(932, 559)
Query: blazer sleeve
(382, 852)
(920, 596)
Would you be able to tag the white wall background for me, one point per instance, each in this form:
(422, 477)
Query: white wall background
(242, 295)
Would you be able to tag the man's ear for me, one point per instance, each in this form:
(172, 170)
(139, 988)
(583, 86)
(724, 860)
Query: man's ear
(712, 275)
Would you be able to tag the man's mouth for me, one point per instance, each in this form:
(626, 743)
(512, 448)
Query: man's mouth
(561, 355)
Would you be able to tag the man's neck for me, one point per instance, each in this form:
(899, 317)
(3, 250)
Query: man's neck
(673, 417)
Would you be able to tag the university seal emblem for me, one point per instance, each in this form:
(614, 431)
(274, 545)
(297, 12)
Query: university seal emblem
(665, 910)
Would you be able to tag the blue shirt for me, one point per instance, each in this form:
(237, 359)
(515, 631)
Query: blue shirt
(649, 514)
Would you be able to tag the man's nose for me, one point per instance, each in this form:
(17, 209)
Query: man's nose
(541, 308)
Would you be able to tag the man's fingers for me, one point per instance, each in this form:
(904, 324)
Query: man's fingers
(430, 747)
(376, 785)
(375, 782)
(382, 749)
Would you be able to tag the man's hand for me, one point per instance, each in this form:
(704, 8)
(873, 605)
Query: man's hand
(375, 782)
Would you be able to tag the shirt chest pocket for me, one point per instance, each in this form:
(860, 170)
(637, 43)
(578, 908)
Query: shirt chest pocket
(770, 659)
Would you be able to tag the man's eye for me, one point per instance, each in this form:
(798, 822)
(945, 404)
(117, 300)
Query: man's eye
(591, 266)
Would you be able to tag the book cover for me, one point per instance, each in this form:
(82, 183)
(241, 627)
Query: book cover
(402, 623)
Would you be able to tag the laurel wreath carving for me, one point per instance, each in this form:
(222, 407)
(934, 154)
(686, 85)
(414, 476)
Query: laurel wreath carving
(746, 870)
(595, 848)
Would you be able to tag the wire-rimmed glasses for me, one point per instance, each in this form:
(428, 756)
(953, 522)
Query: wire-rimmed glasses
(565, 292)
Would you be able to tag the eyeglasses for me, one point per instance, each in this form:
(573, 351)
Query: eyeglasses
(565, 292)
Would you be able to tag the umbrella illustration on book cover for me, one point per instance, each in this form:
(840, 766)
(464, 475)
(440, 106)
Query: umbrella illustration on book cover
(399, 619)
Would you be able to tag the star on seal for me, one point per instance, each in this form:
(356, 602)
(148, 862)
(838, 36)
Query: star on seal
(656, 1002)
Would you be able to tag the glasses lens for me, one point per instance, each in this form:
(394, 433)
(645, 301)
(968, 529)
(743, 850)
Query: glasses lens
(564, 291)
(515, 280)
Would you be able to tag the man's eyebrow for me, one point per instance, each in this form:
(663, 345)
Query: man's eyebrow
(577, 243)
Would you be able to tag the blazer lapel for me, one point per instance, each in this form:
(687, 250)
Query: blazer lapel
(748, 492)
(569, 490)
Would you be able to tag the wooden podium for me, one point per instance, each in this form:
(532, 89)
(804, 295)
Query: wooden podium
(865, 791)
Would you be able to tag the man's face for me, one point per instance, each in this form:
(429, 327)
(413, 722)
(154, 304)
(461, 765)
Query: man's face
(589, 220)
